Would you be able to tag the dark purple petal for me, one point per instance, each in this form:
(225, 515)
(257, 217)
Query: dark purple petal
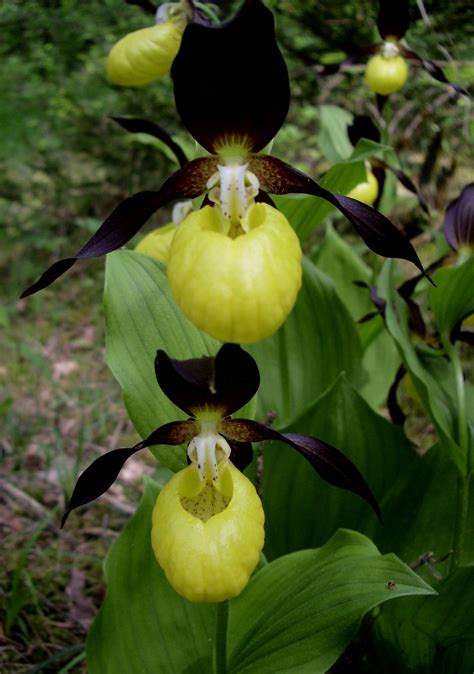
(129, 216)
(103, 472)
(241, 454)
(377, 232)
(397, 415)
(223, 383)
(393, 18)
(433, 69)
(459, 219)
(363, 127)
(230, 80)
(330, 464)
(136, 125)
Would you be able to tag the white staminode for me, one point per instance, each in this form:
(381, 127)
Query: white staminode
(390, 49)
(169, 10)
(181, 210)
(207, 450)
(233, 188)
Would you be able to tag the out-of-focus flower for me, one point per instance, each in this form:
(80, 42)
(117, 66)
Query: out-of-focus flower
(157, 243)
(387, 70)
(366, 191)
(459, 221)
(232, 93)
(146, 55)
(207, 530)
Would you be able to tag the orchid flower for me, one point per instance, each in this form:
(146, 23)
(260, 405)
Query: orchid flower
(208, 520)
(234, 265)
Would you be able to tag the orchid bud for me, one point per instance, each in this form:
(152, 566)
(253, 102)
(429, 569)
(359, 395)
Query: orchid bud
(146, 55)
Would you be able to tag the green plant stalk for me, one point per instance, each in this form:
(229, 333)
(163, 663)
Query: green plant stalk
(463, 440)
(220, 646)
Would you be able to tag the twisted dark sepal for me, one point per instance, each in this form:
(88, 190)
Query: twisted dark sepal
(136, 125)
(459, 219)
(397, 415)
(377, 232)
(129, 216)
(393, 18)
(433, 69)
(330, 463)
(103, 472)
(231, 81)
(363, 127)
(224, 383)
(147, 6)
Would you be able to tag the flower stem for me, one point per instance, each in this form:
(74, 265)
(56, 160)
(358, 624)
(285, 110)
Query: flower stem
(464, 480)
(220, 648)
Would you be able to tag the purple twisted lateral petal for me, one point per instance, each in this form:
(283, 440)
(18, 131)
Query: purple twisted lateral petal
(330, 463)
(459, 219)
(377, 232)
(129, 216)
(103, 472)
(433, 69)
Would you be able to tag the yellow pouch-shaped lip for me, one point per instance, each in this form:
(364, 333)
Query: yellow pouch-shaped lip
(158, 242)
(367, 192)
(237, 290)
(385, 75)
(208, 561)
(144, 55)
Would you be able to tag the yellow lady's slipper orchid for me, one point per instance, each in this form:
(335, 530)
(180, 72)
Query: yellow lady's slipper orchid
(367, 191)
(236, 289)
(157, 243)
(207, 534)
(145, 55)
(386, 73)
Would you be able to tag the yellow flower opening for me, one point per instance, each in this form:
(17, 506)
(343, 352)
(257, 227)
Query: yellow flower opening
(237, 282)
(207, 531)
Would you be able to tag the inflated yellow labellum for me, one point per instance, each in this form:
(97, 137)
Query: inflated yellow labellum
(207, 536)
(158, 242)
(236, 289)
(386, 74)
(368, 191)
(145, 55)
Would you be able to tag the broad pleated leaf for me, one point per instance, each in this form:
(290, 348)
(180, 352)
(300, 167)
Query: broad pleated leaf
(332, 138)
(292, 492)
(453, 298)
(230, 81)
(319, 325)
(431, 375)
(299, 613)
(141, 317)
(143, 626)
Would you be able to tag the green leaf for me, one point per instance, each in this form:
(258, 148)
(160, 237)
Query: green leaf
(141, 316)
(301, 509)
(431, 374)
(333, 139)
(299, 613)
(143, 626)
(302, 359)
(427, 635)
(453, 298)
